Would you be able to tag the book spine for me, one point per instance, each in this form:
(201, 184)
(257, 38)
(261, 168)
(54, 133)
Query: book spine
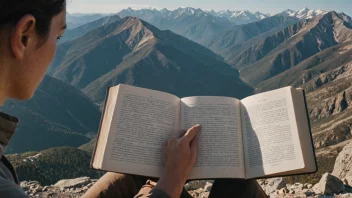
(100, 125)
(310, 131)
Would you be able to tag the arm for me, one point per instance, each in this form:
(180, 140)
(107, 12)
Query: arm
(179, 157)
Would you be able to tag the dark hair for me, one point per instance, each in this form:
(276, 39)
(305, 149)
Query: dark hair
(11, 11)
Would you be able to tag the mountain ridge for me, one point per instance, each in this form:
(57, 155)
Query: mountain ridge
(57, 115)
(194, 24)
(318, 34)
(134, 47)
(230, 42)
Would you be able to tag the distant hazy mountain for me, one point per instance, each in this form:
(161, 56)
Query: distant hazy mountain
(314, 36)
(134, 52)
(75, 20)
(194, 24)
(231, 42)
(58, 115)
(305, 13)
(74, 33)
(240, 16)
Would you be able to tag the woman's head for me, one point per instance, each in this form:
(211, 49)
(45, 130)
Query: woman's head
(28, 34)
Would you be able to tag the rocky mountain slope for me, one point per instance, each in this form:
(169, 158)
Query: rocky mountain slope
(337, 182)
(313, 37)
(326, 77)
(131, 51)
(232, 42)
(57, 115)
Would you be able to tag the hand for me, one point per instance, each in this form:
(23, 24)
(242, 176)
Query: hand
(180, 154)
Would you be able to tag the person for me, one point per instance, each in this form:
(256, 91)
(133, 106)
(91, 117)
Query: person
(28, 35)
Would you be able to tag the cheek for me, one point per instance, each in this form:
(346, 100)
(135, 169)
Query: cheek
(50, 51)
(46, 54)
(33, 70)
(44, 57)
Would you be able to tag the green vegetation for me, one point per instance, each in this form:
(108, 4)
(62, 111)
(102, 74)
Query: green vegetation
(53, 165)
(89, 147)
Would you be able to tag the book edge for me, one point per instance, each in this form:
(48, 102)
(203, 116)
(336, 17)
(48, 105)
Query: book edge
(312, 144)
(100, 125)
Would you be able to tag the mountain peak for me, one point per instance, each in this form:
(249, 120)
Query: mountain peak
(240, 16)
(164, 10)
(304, 13)
(306, 9)
(129, 9)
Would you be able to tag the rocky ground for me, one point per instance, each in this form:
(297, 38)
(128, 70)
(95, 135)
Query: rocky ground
(71, 188)
(335, 184)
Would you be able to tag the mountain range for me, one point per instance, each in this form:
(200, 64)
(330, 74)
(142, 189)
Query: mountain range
(290, 48)
(195, 24)
(187, 52)
(234, 41)
(304, 48)
(239, 17)
(305, 13)
(199, 25)
(79, 31)
(295, 44)
(75, 20)
(132, 51)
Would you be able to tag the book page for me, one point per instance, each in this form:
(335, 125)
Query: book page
(270, 134)
(220, 149)
(142, 122)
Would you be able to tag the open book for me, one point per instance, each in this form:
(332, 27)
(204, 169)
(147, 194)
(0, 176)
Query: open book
(264, 135)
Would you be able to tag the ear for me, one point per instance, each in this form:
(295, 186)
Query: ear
(22, 36)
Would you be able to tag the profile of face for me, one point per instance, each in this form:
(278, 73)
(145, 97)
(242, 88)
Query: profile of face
(32, 54)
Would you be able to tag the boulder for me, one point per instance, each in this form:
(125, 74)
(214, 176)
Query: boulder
(194, 185)
(283, 191)
(348, 181)
(208, 186)
(297, 187)
(274, 184)
(73, 183)
(308, 192)
(329, 185)
(343, 163)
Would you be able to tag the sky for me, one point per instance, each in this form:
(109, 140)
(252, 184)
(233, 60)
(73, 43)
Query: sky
(265, 6)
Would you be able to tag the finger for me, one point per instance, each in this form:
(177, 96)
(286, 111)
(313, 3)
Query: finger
(166, 142)
(180, 134)
(195, 146)
(191, 133)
